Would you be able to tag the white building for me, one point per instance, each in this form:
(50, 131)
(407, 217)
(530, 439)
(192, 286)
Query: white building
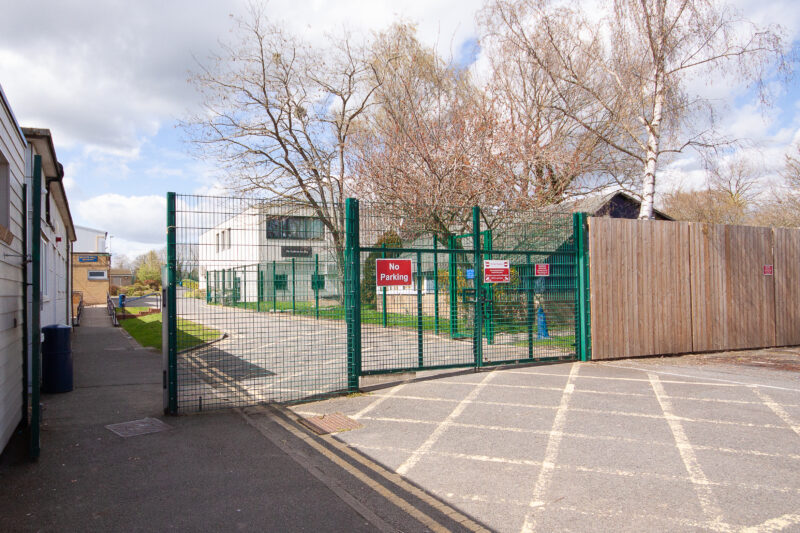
(90, 240)
(57, 230)
(12, 177)
(18, 147)
(258, 255)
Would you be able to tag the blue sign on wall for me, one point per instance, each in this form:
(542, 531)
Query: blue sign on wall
(87, 259)
(470, 273)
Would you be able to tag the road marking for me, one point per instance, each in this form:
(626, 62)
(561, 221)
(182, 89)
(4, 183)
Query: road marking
(377, 402)
(377, 487)
(698, 478)
(778, 410)
(597, 412)
(641, 380)
(723, 382)
(442, 427)
(734, 451)
(774, 524)
(551, 452)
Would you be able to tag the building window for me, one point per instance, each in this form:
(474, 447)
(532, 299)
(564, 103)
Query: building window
(295, 228)
(98, 275)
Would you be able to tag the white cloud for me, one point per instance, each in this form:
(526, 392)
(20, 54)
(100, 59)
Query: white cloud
(139, 219)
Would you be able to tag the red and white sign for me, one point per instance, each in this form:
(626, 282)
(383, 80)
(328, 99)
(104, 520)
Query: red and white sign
(496, 271)
(768, 270)
(392, 272)
(541, 269)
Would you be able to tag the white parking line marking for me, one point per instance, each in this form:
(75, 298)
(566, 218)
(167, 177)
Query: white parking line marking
(442, 427)
(778, 410)
(378, 401)
(551, 452)
(723, 382)
(698, 478)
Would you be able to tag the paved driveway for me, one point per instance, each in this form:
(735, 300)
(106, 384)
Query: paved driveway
(278, 357)
(643, 445)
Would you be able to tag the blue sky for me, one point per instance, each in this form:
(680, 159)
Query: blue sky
(109, 80)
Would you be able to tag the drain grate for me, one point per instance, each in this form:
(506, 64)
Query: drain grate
(330, 423)
(138, 427)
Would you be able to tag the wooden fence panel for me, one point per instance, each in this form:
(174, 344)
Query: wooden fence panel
(787, 286)
(733, 302)
(640, 295)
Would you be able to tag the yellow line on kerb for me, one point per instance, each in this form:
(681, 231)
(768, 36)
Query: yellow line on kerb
(380, 489)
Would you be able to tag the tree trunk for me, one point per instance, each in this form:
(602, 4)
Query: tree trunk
(653, 138)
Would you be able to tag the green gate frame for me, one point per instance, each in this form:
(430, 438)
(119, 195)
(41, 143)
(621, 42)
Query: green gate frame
(482, 311)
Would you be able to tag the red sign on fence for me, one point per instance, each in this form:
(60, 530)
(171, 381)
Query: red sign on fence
(496, 271)
(768, 270)
(541, 269)
(392, 272)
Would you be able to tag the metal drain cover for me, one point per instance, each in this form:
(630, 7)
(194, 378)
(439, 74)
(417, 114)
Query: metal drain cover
(138, 427)
(330, 423)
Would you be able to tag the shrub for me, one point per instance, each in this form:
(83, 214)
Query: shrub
(113, 290)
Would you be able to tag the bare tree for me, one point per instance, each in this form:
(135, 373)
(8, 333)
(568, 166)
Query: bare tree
(641, 56)
(781, 207)
(545, 155)
(731, 195)
(278, 114)
(427, 148)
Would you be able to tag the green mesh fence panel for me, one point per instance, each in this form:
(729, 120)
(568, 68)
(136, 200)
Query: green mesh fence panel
(288, 304)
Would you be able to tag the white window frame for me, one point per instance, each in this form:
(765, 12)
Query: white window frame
(97, 278)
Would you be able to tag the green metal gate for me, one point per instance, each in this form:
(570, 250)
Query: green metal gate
(276, 314)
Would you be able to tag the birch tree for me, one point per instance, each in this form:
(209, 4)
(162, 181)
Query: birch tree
(643, 55)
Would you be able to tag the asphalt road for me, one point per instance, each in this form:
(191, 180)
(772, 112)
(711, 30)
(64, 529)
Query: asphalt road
(642, 445)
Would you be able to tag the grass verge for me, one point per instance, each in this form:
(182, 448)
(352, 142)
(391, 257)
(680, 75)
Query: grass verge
(147, 331)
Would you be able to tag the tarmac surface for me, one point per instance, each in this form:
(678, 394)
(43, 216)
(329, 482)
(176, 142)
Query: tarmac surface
(691, 443)
(222, 471)
(280, 357)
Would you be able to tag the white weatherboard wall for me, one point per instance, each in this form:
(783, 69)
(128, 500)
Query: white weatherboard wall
(12, 154)
(90, 240)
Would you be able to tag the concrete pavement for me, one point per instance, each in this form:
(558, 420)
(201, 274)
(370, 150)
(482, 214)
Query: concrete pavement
(218, 471)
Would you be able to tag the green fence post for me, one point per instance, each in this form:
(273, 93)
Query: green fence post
(293, 287)
(36, 301)
(582, 293)
(260, 288)
(172, 316)
(490, 294)
(274, 291)
(420, 281)
(316, 285)
(435, 286)
(477, 338)
(529, 296)
(452, 274)
(352, 289)
(383, 290)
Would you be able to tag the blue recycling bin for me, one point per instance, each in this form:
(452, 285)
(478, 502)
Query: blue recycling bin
(121, 300)
(57, 359)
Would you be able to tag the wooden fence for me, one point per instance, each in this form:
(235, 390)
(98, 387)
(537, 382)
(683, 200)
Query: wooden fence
(675, 287)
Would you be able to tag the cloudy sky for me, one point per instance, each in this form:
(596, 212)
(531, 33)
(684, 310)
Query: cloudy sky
(109, 80)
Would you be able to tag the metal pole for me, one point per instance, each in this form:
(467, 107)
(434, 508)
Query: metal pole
(274, 293)
(582, 296)
(293, 286)
(529, 297)
(36, 301)
(352, 293)
(435, 286)
(25, 304)
(172, 323)
(383, 289)
(477, 338)
(452, 273)
(316, 284)
(420, 280)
